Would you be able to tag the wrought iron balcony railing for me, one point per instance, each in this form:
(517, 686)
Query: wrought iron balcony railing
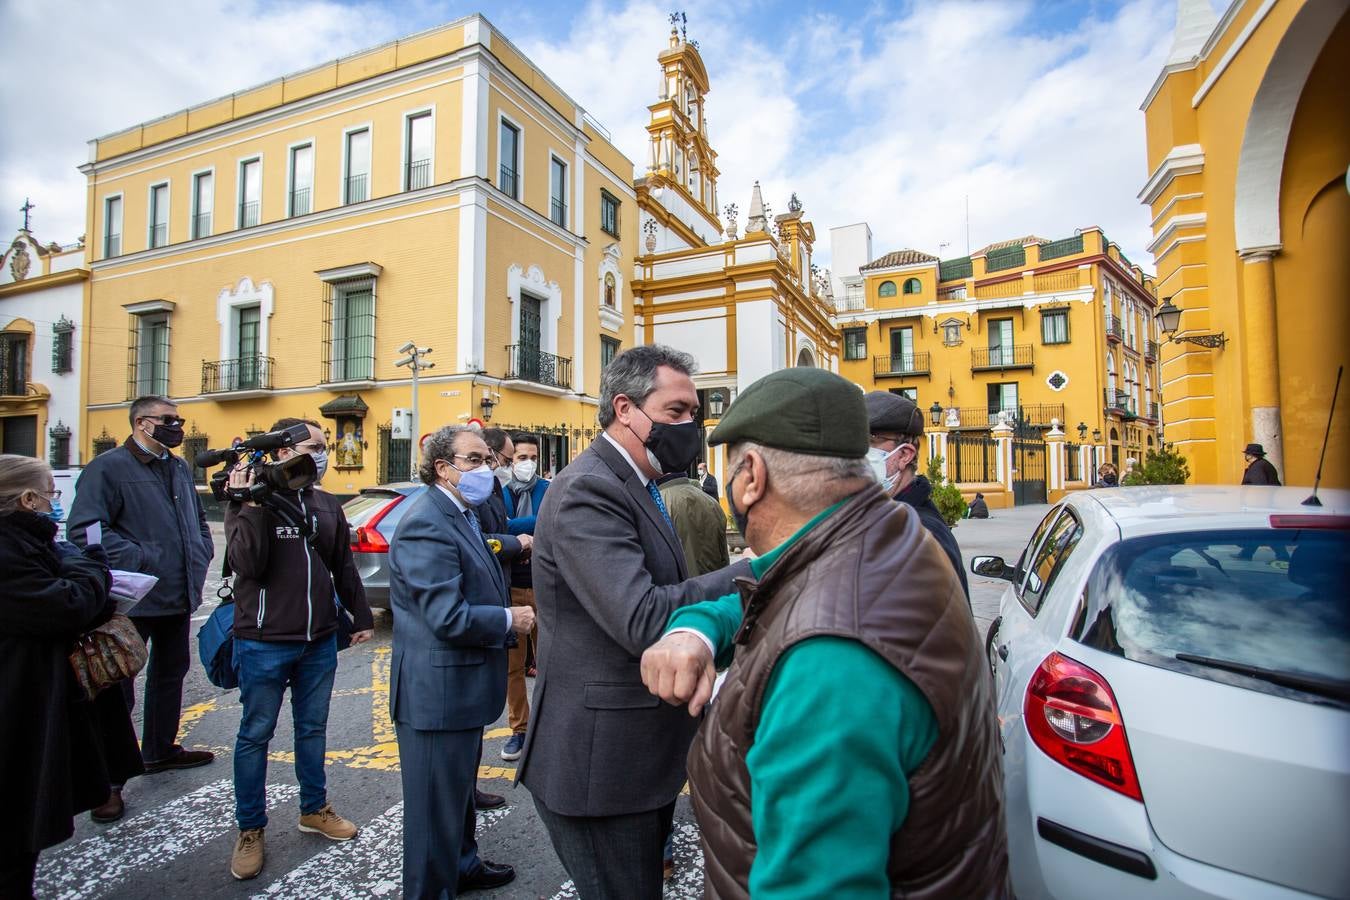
(1036, 415)
(1150, 349)
(248, 214)
(1115, 329)
(159, 235)
(201, 225)
(300, 202)
(418, 174)
(530, 364)
(899, 365)
(507, 183)
(558, 212)
(1018, 356)
(354, 189)
(247, 373)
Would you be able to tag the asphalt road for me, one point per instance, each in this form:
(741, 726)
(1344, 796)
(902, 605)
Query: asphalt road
(176, 838)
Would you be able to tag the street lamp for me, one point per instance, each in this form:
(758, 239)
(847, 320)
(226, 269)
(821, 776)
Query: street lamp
(1096, 435)
(716, 403)
(486, 404)
(936, 412)
(1169, 320)
(1082, 432)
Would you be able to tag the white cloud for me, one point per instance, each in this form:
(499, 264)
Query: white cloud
(884, 116)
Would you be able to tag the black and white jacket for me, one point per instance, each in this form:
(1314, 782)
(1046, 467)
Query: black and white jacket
(283, 589)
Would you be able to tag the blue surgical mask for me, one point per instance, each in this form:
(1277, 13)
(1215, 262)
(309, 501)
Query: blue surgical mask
(320, 464)
(476, 485)
(56, 513)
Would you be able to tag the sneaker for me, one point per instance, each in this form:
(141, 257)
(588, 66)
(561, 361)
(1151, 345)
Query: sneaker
(180, 759)
(247, 860)
(111, 810)
(329, 824)
(513, 747)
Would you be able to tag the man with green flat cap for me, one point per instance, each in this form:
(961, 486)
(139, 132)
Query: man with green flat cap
(853, 749)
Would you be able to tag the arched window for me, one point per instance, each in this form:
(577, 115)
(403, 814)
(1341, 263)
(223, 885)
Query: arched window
(610, 299)
(1110, 370)
(887, 289)
(1148, 392)
(912, 286)
(805, 360)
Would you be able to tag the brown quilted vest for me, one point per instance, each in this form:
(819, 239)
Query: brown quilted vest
(870, 572)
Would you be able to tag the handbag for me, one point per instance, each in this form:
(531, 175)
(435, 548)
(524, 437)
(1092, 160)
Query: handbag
(107, 654)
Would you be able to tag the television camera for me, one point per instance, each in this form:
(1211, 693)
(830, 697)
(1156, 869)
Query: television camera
(292, 474)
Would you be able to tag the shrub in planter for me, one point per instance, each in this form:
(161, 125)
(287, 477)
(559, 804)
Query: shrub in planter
(946, 496)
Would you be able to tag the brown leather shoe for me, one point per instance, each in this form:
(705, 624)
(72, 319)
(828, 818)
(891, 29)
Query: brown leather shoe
(247, 859)
(180, 759)
(111, 810)
(484, 800)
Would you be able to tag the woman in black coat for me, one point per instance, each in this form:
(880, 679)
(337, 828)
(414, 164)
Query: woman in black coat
(52, 759)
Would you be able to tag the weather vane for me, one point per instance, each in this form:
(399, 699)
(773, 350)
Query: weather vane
(679, 20)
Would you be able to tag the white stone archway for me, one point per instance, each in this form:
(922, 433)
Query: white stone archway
(1256, 207)
(806, 359)
(533, 282)
(244, 295)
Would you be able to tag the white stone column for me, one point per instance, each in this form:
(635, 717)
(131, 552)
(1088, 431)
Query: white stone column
(1003, 436)
(1054, 458)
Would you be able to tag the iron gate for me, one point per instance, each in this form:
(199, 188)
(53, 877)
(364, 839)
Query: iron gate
(395, 461)
(974, 457)
(1028, 474)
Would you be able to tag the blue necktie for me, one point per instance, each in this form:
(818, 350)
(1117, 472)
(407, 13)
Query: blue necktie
(660, 504)
(473, 523)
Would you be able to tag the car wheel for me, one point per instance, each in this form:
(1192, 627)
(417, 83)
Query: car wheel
(990, 637)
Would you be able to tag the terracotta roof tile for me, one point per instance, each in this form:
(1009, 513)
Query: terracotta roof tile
(1015, 242)
(900, 258)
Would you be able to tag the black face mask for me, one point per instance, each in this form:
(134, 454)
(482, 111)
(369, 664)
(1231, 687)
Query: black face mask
(168, 435)
(676, 445)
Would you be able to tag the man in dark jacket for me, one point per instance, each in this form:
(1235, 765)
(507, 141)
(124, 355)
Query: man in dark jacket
(1259, 469)
(896, 424)
(706, 481)
(523, 495)
(291, 569)
(152, 522)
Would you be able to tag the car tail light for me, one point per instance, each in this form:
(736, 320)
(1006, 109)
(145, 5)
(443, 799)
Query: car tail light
(1073, 717)
(1295, 520)
(368, 537)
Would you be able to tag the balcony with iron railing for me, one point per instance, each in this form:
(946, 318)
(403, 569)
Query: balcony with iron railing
(300, 202)
(1115, 329)
(854, 299)
(1153, 411)
(1003, 358)
(530, 364)
(1036, 415)
(13, 384)
(201, 225)
(247, 373)
(506, 182)
(418, 174)
(354, 189)
(900, 365)
(159, 235)
(1119, 401)
(1150, 350)
(112, 245)
(954, 292)
(248, 214)
(558, 212)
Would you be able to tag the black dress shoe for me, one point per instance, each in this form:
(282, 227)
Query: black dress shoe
(486, 877)
(484, 800)
(180, 759)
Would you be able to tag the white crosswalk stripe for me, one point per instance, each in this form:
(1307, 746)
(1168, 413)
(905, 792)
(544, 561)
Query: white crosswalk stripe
(688, 880)
(369, 865)
(96, 866)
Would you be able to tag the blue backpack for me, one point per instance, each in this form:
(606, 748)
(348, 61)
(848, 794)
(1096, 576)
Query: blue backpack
(215, 645)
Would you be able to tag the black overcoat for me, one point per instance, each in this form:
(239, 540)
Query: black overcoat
(51, 761)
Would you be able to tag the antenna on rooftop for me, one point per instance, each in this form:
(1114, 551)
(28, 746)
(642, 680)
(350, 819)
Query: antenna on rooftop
(1312, 500)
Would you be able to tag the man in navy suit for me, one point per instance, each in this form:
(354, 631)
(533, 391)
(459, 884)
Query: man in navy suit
(452, 619)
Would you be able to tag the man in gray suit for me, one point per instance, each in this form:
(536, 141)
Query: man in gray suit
(448, 674)
(604, 758)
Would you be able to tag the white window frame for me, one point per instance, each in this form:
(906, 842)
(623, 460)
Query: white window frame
(290, 173)
(554, 157)
(121, 226)
(192, 203)
(343, 171)
(150, 209)
(242, 185)
(404, 154)
(520, 155)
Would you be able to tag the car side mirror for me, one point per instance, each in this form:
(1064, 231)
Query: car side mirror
(992, 567)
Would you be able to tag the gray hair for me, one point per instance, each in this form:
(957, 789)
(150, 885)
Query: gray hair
(18, 476)
(809, 483)
(441, 445)
(141, 404)
(633, 374)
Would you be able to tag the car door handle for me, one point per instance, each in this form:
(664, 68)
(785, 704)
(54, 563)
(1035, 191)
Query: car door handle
(1003, 652)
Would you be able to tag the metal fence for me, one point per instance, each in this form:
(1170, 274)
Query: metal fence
(974, 458)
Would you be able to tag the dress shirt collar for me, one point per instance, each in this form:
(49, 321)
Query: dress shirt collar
(145, 455)
(459, 504)
(617, 446)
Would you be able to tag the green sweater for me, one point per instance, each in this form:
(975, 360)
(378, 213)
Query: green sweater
(840, 731)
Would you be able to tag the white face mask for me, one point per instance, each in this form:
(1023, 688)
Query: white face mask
(525, 469)
(878, 459)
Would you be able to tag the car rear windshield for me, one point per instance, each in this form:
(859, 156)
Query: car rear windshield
(1263, 609)
(366, 504)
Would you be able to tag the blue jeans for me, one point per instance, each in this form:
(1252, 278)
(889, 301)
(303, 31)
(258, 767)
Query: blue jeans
(265, 669)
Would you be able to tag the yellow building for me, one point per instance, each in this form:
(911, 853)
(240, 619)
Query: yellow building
(743, 305)
(1026, 333)
(266, 254)
(1248, 147)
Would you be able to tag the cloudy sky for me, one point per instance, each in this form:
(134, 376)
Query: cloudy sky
(893, 113)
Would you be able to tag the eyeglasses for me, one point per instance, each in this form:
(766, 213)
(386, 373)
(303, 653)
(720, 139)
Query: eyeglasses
(52, 495)
(312, 446)
(166, 420)
(474, 459)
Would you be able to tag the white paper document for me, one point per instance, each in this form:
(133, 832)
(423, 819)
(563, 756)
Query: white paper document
(130, 588)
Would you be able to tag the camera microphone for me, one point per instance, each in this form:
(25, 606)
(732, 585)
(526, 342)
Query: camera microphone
(275, 440)
(208, 458)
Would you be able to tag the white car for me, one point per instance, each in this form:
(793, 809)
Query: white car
(1172, 668)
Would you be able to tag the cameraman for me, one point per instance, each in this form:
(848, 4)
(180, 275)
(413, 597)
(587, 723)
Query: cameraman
(285, 624)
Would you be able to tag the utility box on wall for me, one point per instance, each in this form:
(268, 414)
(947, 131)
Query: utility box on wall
(402, 423)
